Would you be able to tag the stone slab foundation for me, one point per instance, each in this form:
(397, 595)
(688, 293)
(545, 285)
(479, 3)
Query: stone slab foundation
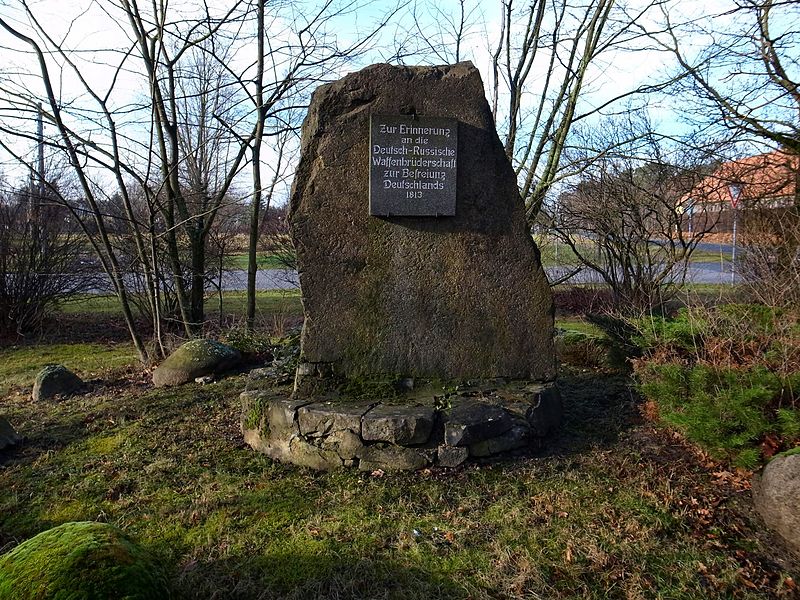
(444, 431)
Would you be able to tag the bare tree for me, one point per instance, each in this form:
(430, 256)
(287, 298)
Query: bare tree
(745, 83)
(202, 107)
(746, 79)
(541, 69)
(440, 33)
(42, 257)
(20, 101)
(624, 217)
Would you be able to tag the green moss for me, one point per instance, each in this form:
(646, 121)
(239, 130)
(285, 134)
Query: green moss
(104, 444)
(791, 452)
(68, 509)
(200, 350)
(80, 561)
(255, 409)
(364, 388)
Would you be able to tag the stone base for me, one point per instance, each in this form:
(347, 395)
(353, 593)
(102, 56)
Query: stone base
(439, 430)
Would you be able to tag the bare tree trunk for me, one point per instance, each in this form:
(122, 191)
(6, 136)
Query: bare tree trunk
(109, 259)
(252, 256)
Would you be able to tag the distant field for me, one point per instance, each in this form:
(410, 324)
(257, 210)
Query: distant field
(265, 261)
(234, 302)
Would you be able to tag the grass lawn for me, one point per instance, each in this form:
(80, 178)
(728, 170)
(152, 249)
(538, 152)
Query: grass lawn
(613, 509)
(20, 364)
(265, 261)
(268, 302)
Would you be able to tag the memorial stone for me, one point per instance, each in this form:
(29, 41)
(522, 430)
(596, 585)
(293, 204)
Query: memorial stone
(412, 166)
(413, 251)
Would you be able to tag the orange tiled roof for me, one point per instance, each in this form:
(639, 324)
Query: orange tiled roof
(765, 176)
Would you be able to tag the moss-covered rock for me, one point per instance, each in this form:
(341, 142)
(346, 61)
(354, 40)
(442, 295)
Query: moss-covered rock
(80, 561)
(193, 359)
(55, 380)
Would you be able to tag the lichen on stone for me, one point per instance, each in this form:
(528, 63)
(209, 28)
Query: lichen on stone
(195, 358)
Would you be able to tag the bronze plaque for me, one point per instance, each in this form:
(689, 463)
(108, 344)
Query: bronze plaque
(412, 166)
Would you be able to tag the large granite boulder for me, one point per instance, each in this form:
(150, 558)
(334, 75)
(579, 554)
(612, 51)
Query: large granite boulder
(196, 358)
(86, 560)
(55, 381)
(448, 297)
(776, 493)
(8, 435)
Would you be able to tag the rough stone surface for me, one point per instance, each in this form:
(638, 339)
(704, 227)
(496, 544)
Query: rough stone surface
(315, 457)
(320, 419)
(451, 456)
(80, 560)
(332, 435)
(55, 381)
(403, 425)
(8, 435)
(777, 498)
(196, 358)
(282, 412)
(391, 458)
(518, 436)
(448, 297)
(471, 421)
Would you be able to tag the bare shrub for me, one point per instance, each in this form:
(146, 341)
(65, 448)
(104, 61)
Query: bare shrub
(770, 262)
(42, 264)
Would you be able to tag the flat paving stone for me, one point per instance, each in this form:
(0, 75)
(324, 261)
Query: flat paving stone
(322, 418)
(403, 425)
(471, 421)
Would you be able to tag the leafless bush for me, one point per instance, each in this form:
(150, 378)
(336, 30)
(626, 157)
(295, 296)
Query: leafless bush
(623, 216)
(770, 262)
(42, 264)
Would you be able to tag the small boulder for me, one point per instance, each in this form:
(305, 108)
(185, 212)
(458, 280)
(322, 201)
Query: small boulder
(776, 494)
(8, 435)
(86, 560)
(55, 381)
(196, 358)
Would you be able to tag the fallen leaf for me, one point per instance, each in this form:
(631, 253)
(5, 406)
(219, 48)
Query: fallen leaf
(770, 446)
(749, 584)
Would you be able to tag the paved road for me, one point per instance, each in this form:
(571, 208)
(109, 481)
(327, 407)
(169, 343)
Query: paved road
(699, 272)
(267, 279)
(281, 279)
(285, 279)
